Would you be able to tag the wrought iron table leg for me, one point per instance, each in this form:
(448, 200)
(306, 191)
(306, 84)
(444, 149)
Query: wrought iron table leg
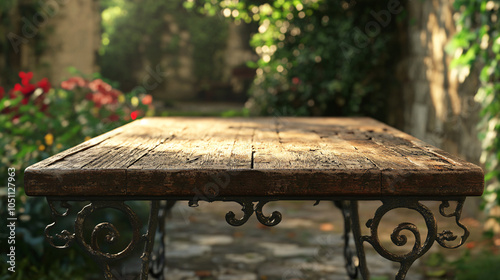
(420, 247)
(349, 211)
(355, 260)
(111, 233)
(356, 232)
(158, 259)
(150, 239)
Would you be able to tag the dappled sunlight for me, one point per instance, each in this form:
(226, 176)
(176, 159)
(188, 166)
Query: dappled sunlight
(207, 100)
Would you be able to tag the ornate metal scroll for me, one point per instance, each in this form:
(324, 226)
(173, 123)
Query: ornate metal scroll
(447, 235)
(111, 233)
(272, 220)
(421, 246)
(248, 209)
(65, 235)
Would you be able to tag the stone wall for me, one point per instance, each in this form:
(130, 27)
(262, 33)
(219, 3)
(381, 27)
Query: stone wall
(181, 83)
(71, 31)
(439, 108)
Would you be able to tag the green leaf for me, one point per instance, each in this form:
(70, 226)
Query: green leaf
(485, 74)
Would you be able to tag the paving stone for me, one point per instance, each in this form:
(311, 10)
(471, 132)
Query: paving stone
(296, 222)
(238, 276)
(211, 240)
(336, 265)
(289, 250)
(186, 250)
(249, 258)
(176, 274)
(282, 271)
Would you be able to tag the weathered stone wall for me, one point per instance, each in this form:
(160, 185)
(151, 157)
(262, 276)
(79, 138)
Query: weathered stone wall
(180, 84)
(71, 31)
(180, 79)
(237, 53)
(176, 79)
(439, 109)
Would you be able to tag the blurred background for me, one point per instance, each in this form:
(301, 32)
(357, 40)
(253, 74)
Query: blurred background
(71, 70)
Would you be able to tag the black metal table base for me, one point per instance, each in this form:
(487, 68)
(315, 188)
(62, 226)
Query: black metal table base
(355, 260)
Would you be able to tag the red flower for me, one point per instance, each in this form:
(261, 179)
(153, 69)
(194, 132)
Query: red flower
(295, 80)
(44, 84)
(134, 114)
(25, 77)
(25, 89)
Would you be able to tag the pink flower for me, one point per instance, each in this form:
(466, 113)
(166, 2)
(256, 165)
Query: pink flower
(99, 85)
(148, 99)
(73, 82)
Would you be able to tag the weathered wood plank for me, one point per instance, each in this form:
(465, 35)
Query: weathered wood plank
(204, 144)
(242, 152)
(306, 149)
(276, 157)
(269, 152)
(121, 150)
(80, 148)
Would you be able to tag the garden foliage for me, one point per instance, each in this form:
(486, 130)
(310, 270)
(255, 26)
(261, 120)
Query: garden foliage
(39, 120)
(318, 57)
(476, 46)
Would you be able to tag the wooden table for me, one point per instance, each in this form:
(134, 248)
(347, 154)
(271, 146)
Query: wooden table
(256, 161)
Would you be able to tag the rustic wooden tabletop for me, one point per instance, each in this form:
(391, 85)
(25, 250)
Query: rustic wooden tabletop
(289, 158)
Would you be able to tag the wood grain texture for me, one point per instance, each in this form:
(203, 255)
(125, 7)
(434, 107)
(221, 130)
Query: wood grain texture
(286, 158)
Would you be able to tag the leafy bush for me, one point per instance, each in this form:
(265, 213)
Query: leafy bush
(37, 122)
(317, 57)
(482, 266)
(477, 45)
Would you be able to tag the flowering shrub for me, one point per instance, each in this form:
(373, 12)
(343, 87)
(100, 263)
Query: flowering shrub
(38, 120)
(103, 94)
(41, 120)
(26, 91)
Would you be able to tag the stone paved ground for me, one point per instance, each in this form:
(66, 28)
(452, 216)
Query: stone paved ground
(307, 244)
